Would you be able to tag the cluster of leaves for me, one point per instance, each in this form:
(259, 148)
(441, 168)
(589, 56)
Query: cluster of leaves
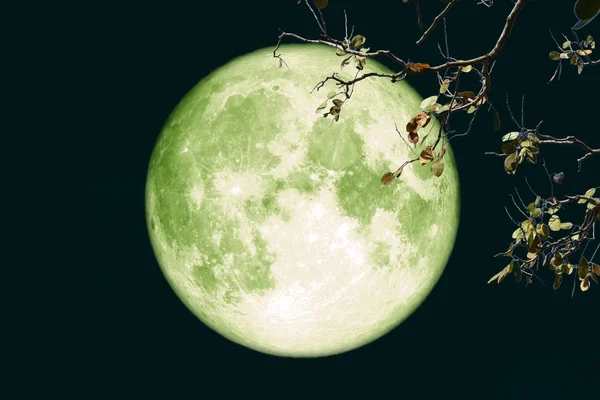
(536, 243)
(518, 147)
(458, 100)
(336, 107)
(538, 237)
(356, 43)
(577, 52)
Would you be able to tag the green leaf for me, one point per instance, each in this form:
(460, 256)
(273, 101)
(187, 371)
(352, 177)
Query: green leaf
(543, 231)
(566, 226)
(322, 107)
(331, 95)
(554, 223)
(554, 209)
(437, 167)
(510, 163)
(444, 86)
(428, 103)
(357, 41)
(510, 136)
(555, 55)
(557, 282)
(590, 193)
(518, 235)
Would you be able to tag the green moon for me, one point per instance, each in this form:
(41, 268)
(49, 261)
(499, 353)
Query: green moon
(270, 221)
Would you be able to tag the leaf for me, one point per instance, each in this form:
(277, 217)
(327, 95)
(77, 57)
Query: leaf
(321, 107)
(466, 68)
(583, 268)
(574, 60)
(426, 155)
(444, 86)
(559, 177)
(554, 223)
(566, 55)
(357, 41)
(566, 226)
(419, 67)
(387, 178)
(509, 148)
(579, 68)
(422, 119)
(557, 282)
(413, 137)
(510, 136)
(497, 276)
(509, 252)
(510, 164)
(321, 4)
(428, 103)
(468, 95)
(584, 52)
(585, 285)
(338, 102)
(556, 260)
(424, 138)
(331, 95)
(591, 192)
(437, 168)
(412, 125)
(444, 108)
(543, 231)
(596, 269)
(496, 121)
(471, 110)
(566, 44)
(569, 268)
(555, 55)
(346, 61)
(554, 209)
(443, 151)
(517, 273)
(360, 63)
(518, 235)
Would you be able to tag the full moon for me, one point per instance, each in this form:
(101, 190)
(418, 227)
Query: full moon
(270, 221)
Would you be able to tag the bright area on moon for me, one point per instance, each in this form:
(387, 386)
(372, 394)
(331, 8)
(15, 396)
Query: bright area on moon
(270, 221)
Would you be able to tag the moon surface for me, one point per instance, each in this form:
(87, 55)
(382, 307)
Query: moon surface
(270, 221)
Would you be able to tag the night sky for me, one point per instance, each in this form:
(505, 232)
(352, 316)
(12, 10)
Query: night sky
(130, 63)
